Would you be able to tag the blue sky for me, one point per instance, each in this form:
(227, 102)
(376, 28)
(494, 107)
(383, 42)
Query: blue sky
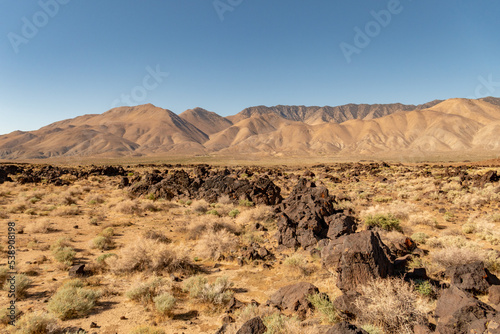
(85, 56)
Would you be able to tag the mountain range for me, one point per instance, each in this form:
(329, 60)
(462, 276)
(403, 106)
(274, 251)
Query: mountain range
(451, 126)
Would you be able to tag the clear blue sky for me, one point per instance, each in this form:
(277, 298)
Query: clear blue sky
(87, 53)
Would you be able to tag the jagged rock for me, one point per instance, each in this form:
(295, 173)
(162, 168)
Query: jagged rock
(180, 184)
(124, 182)
(345, 305)
(341, 225)
(4, 177)
(253, 326)
(77, 270)
(471, 277)
(494, 295)
(293, 298)
(257, 252)
(401, 246)
(305, 217)
(459, 312)
(346, 328)
(357, 258)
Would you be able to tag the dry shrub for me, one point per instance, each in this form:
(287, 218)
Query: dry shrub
(149, 255)
(217, 293)
(3, 215)
(393, 305)
(144, 292)
(72, 300)
(451, 256)
(201, 225)
(67, 198)
(199, 206)
(43, 226)
(37, 323)
(423, 218)
(259, 214)
(397, 209)
(150, 207)
(20, 284)
(17, 206)
(156, 235)
(94, 199)
(298, 265)
(225, 200)
(456, 250)
(128, 207)
(71, 210)
(215, 243)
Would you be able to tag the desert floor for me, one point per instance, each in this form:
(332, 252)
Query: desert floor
(446, 214)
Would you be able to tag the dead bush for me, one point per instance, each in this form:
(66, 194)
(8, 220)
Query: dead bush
(128, 207)
(393, 305)
(259, 214)
(215, 243)
(149, 255)
(43, 226)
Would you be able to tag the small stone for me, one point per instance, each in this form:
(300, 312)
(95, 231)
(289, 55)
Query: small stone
(77, 270)
(94, 325)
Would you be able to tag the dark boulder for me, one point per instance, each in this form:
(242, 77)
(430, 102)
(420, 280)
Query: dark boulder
(340, 225)
(357, 258)
(4, 177)
(294, 298)
(346, 328)
(471, 277)
(460, 312)
(494, 295)
(77, 270)
(345, 305)
(253, 326)
(305, 216)
(257, 252)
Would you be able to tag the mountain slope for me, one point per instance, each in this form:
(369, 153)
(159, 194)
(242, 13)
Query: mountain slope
(143, 130)
(459, 126)
(339, 114)
(207, 121)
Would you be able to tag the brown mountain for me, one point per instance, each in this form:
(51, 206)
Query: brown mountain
(207, 121)
(142, 130)
(339, 114)
(454, 126)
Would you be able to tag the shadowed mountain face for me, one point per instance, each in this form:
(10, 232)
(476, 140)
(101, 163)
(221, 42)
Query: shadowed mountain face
(454, 125)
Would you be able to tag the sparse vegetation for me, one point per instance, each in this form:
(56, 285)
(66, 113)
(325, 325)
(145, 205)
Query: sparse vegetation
(36, 323)
(324, 307)
(149, 255)
(386, 222)
(72, 300)
(407, 307)
(217, 293)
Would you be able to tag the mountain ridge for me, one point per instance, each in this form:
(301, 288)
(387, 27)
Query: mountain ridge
(452, 125)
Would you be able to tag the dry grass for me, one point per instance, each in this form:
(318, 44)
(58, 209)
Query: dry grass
(151, 256)
(393, 305)
(423, 218)
(203, 224)
(129, 207)
(37, 323)
(213, 244)
(41, 226)
(259, 214)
